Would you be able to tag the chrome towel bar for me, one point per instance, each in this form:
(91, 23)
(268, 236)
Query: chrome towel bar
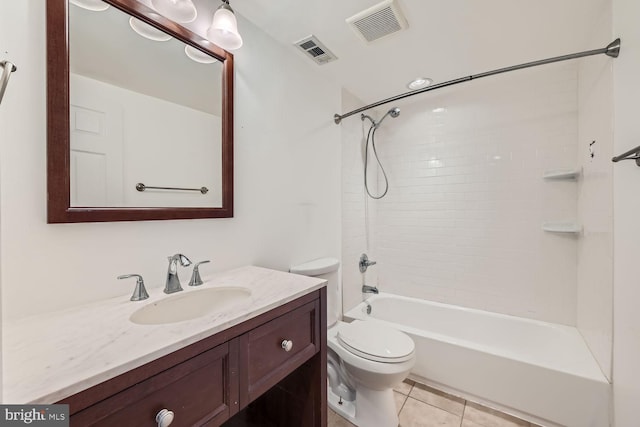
(7, 69)
(141, 187)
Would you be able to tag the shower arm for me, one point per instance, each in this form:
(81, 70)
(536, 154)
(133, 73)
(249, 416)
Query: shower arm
(633, 154)
(612, 50)
(7, 69)
(394, 112)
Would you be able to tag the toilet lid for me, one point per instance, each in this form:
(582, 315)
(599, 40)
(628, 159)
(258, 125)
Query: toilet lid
(376, 342)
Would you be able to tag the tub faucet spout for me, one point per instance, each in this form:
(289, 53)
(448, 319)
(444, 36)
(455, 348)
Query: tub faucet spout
(369, 289)
(173, 282)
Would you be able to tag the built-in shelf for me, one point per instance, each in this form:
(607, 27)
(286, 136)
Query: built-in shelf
(562, 227)
(560, 174)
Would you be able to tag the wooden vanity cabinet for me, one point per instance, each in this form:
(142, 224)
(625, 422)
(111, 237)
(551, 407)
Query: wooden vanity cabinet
(244, 374)
(262, 352)
(195, 390)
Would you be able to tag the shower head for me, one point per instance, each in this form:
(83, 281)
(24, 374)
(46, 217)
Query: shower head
(394, 112)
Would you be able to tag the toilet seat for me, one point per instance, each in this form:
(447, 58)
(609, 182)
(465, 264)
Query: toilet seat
(376, 342)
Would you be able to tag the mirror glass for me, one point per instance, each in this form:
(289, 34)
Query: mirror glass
(142, 114)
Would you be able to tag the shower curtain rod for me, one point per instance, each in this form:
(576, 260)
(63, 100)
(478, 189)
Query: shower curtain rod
(612, 50)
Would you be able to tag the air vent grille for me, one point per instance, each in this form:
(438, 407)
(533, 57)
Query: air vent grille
(313, 48)
(308, 45)
(378, 21)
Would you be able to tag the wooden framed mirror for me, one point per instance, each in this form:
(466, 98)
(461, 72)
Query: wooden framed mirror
(129, 142)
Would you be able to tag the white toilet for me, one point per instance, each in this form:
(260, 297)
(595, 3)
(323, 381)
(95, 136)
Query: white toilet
(365, 359)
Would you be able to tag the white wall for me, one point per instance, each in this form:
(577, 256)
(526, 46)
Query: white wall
(595, 195)
(462, 220)
(626, 203)
(287, 183)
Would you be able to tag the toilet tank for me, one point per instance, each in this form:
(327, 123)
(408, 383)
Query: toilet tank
(327, 269)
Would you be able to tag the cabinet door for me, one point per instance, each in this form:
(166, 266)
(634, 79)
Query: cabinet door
(265, 360)
(202, 390)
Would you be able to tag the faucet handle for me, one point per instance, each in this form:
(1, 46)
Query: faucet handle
(139, 293)
(365, 263)
(196, 280)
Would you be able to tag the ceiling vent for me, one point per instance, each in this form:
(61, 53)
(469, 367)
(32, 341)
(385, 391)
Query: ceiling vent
(378, 21)
(312, 47)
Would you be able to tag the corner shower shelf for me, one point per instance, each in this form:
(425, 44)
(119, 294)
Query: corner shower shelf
(562, 227)
(562, 174)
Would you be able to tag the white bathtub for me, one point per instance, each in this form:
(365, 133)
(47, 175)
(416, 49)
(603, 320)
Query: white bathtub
(539, 371)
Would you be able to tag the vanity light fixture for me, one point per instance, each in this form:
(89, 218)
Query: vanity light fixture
(148, 31)
(419, 83)
(180, 11)
(93, 5)
(198, 56)
(224, 28)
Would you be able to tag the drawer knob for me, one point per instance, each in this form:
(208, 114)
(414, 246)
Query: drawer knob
(287, 345)
(164, 418)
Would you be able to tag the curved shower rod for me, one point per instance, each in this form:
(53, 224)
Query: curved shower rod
(612, 50)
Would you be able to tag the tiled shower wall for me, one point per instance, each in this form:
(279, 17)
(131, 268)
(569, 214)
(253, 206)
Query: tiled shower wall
(461, 223)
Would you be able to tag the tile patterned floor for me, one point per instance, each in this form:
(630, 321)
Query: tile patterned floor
(422, 406)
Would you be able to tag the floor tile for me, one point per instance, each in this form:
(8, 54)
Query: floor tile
(488, 417)
(400, 399)
(419, 414)
(437, 398)
(335, 420)
(404, 387)
(467, 423)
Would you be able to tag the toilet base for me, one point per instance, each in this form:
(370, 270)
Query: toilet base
(346, 409)
(371, 408)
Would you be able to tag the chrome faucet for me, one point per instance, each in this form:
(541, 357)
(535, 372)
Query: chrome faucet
(173, 282)
(366, 289)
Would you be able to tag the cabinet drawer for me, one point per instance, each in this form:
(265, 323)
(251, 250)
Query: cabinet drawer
(198, 391)
(264, 360)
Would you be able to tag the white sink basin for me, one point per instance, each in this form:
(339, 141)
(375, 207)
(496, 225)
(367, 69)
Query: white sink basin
(190, 305)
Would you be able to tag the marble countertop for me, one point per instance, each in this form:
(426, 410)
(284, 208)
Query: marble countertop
(54, 355)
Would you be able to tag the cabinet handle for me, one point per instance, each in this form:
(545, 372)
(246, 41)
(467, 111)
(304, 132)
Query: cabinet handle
(287, 345)
(164, 418)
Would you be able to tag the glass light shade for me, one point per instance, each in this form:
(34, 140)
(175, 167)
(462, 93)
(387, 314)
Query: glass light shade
(224, 29)
(93, 5)
(148, 31)
(198, 56)
(181, 11)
